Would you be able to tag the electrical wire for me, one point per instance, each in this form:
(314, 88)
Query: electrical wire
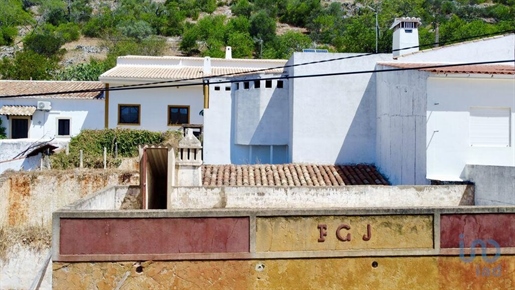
(171, 82)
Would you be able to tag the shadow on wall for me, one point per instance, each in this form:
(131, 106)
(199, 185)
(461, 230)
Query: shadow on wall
(359, 142)
(269, 141)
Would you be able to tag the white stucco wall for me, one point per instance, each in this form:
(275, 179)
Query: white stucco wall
(449, 102)
(401, 126)
(154, 106)
(333, 118)
(26, 164)
(247, 126)
(217, 127)
(488, 49)
(83, 114)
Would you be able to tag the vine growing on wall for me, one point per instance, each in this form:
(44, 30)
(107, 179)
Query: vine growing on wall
(2, 131)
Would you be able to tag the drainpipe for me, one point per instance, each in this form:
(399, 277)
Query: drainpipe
(205, 86)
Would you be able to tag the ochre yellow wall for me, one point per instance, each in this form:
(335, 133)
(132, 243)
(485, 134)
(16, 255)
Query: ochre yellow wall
(328, 273)
(302, 233)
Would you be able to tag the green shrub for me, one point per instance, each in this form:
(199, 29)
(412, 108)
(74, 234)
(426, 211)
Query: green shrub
(92, 142)
(68, 31)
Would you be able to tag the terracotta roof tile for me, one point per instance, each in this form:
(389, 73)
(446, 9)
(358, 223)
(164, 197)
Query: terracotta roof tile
(456, 69)
(53, 88)
(17, 110)
(291, 175)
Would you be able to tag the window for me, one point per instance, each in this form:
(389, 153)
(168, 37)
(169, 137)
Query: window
(19, 128)
(489, 127)
(280, 84)
(178, 115)
(63, 127)
(246, 85)
(217, 88)
(227, 88)
(129, 114)
(257, 84)
(237, 86)
(268, 84)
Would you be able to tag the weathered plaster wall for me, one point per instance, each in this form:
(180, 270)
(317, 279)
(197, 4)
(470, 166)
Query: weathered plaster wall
(27, 199)
(315, 197)
(424, 273)
(402, 248)
(494, 185)
(401, 126)
(30, 198)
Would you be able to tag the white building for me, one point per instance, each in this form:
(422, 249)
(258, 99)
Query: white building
(58, 113)
(177, 96)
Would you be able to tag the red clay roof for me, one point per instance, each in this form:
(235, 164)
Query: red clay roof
(53, 88)
(462, 69)
(291, 175)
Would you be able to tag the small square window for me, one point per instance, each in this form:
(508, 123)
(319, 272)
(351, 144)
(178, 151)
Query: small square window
(280, 84)
(178, 115)
(217, 88)
(257, 84)
(129, 114)
(227, 88)
(268, 83)
(63, 127)
(246, 85)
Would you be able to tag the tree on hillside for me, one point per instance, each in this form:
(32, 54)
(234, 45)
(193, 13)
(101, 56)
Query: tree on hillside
(28, 65)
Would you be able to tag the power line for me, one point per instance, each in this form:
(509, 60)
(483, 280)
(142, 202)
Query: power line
(284, 77)
(170, 82)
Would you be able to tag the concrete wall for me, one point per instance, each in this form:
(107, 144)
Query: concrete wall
(109, 198)
(154, 106)
(333, 118)
(494, 185)
(318, 197)
(401, 248)
(401, 126)
(451, 101)
(487, 49)
(83, 114)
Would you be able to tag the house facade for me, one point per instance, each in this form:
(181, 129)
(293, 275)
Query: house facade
(50, 109)
(176, 96)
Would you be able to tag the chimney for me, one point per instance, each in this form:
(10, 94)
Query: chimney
(189, 161)
(207, 66)
(228, 52)
(405, 34)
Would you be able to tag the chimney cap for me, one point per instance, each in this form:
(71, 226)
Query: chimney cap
(228, 52)
(397, 21)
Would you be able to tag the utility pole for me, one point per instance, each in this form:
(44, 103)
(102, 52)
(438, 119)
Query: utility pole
(377, 26)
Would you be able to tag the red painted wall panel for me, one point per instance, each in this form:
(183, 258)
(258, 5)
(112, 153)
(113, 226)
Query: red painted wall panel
(498, 227)
(154, 236)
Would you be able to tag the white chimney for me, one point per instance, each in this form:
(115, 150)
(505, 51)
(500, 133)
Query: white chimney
(405, 34)
(207, 65)
(228, 52)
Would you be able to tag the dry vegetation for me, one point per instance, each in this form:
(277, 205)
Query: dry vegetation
(33, 237)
